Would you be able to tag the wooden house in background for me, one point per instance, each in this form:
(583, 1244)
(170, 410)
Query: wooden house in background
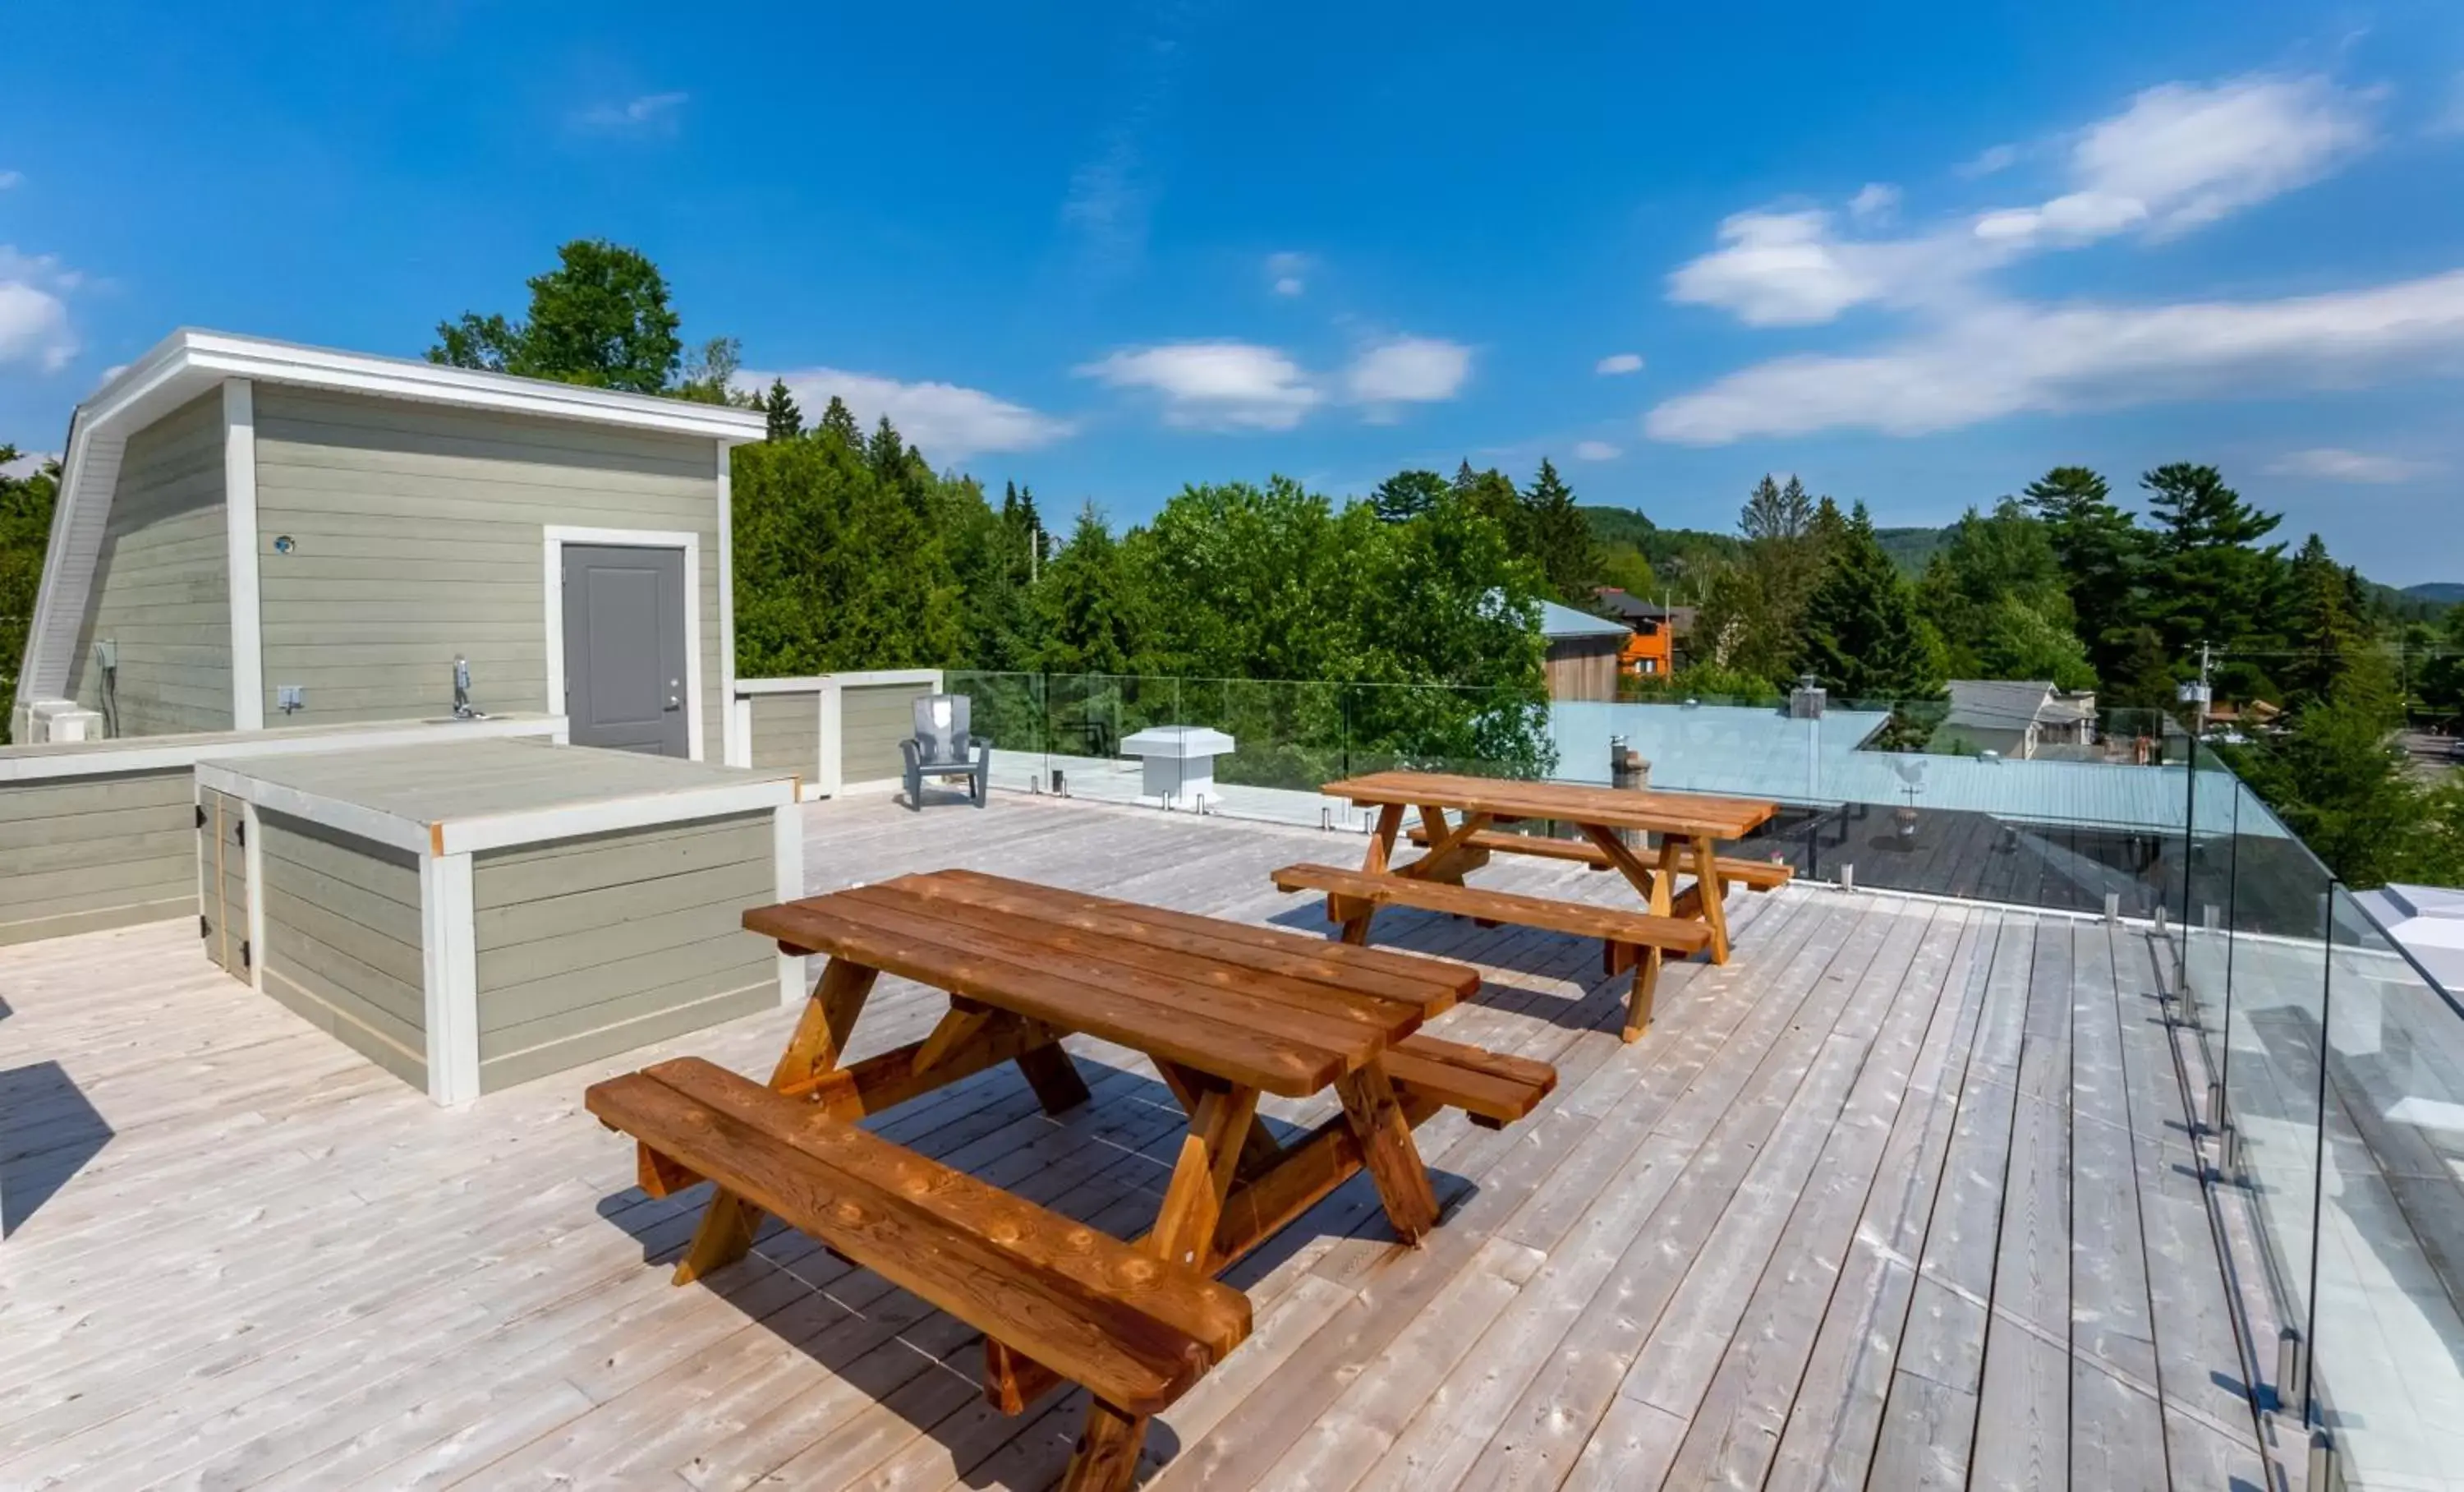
(1583, 652)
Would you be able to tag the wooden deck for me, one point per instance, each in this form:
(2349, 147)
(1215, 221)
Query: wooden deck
(1901, 1197)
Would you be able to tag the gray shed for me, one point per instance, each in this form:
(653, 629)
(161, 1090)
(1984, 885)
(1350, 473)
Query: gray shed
(254, 533)
(473, 915)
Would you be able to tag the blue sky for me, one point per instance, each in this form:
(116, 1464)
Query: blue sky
(1111, 249)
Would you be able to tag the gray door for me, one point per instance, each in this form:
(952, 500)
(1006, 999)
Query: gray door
(624, 647)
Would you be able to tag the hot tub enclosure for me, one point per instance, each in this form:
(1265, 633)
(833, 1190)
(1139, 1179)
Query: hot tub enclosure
(253, 532)
(473, 916)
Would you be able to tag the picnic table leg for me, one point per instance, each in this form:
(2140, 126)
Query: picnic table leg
(1707, 880)
(1387, 1148)
(727, 1223)
(1106, 1456)
(1054, 1078)
(1350, 913)
(1646, 959)
(1258, 1147)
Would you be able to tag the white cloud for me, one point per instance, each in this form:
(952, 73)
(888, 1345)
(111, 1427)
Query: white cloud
(1997, 358)
(945, 421)
(1595, 451)
(1287, 272)
(34, 314)
(1988, 161)
(1874, 202)
(1215, 385)
(28, 464)
(8, 179)
(1409, 370)
(651, 113)
(2340, 465)
(2177, 157)
(2181, 156)
(1619, 363)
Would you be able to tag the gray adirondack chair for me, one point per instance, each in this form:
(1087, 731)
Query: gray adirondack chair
(942, 746)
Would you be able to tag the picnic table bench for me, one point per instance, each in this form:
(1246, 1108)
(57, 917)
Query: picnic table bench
(1226, 1011)
(1457, 815)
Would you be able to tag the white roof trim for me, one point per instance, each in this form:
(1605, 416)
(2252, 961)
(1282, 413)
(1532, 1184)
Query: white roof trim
(190, 362)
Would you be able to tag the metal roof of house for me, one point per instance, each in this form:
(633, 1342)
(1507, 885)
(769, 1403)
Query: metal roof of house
(2014, 705)
(1564, 621)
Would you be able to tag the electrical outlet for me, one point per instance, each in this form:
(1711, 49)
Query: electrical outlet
(291, 697)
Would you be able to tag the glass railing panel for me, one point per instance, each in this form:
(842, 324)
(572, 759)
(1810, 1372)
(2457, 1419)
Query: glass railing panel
(1009, 710)
(2273, 1022)
(2204, 903)
(2389, 1261)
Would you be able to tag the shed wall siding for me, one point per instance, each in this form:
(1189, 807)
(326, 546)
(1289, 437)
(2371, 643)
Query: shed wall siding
(418, 534)
(872, 720)
(161, 587)
(787, 733)
(593, 946)
(343, 940)
(86, 853)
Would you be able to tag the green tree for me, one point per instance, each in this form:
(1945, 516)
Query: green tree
(2337, 779)
(1092, 619)
(778, 408)
(1407, 495)
(599, 317)
(709, 375)
(1561, 537)
(838, 423)
(2101, 553)
(2209, 580)
(1492, 493)
(2324, 623)
(1624, 567)
(1997, 594)
(834, 568)
(1862, 638)
(25, 533)
(1754, 610)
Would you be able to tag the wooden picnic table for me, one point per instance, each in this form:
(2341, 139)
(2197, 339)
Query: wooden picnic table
(1226, 1011)
(1458, 815)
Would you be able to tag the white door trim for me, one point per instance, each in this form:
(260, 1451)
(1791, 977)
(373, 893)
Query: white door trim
(557, 536)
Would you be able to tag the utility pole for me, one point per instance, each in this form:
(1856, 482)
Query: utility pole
(1034, 552)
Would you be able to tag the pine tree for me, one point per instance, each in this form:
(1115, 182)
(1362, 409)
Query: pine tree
(2209, 581)
(1492, 494)
(2326, 631)
(1862, 638)
(786, 421)
(2101, 553)
(1090, 622)
(1407, 495)
(839, 421)
(1561, 537)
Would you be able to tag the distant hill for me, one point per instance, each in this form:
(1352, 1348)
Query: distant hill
(1679, 555)
(1911, 549)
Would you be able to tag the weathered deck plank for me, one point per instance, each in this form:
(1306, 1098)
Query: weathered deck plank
(1852, 1183)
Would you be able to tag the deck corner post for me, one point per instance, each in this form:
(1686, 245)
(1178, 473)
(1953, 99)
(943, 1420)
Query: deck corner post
(449, 947)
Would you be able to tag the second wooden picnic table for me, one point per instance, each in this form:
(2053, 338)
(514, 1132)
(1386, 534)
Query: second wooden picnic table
(1458, 825)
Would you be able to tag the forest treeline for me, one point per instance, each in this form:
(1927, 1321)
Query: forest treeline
(853, 552)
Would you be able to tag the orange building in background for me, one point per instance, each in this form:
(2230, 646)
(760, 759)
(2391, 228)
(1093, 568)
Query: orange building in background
(1652, 649)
